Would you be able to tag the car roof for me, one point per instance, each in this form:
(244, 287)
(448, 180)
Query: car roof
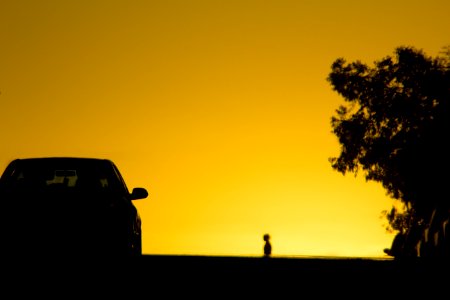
(58, 160)
(86, 163)
(61, 158)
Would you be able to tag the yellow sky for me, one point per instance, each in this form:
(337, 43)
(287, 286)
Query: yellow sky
(221, 109)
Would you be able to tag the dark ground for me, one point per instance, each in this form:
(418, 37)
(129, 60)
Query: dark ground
(301, 278)
(222, 277)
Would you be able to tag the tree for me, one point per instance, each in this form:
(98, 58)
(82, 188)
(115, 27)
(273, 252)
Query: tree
(395, 128)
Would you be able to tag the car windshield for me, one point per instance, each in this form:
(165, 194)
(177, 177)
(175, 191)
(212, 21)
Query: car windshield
(63, 175)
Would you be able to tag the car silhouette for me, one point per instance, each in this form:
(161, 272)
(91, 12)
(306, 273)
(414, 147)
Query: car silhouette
(68, 206)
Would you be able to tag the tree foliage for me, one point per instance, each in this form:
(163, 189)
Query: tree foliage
(394, 126)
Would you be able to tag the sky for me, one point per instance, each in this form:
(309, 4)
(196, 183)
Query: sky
(220, 109)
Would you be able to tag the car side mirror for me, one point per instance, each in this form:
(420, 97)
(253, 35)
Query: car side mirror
(138, 193)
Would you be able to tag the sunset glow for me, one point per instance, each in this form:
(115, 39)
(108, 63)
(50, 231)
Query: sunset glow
(221, 109)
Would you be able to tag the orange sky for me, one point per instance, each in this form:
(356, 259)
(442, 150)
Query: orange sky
(221, 109)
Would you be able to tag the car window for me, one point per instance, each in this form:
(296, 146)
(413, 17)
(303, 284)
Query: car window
(48, 176)
(118, 179)
(67, 178)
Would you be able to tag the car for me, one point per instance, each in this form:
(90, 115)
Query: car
(69, 206)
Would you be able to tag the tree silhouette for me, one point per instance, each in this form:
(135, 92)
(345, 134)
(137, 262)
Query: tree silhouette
(394, 128)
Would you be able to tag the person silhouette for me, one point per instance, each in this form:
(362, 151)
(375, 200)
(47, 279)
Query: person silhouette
(267, 245)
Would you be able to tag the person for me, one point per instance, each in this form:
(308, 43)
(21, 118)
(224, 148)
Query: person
(397, 247)
(267, 245)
